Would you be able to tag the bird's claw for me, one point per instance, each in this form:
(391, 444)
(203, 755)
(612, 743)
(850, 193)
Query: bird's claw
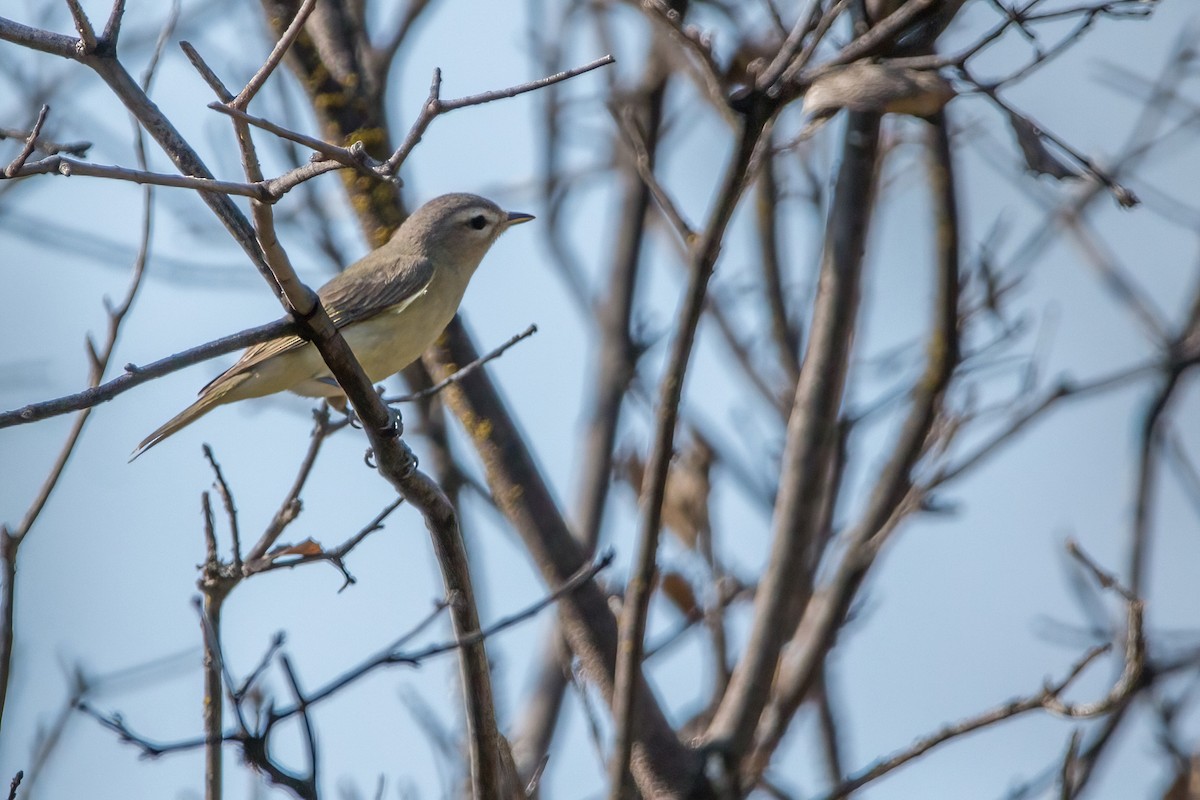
(408, 465)
(394, 429)
(395, 426)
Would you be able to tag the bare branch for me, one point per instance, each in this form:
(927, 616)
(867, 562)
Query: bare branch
(135, 375)
(457, 376)
(30, 141)
(353, 157)
(67, 167)
(15, 784)
(436, 106)
(281, 47)
(1049, 698)
(638, 590)
(43, 145)
(810, 439)
(226, 500)
(645, 169)
(394, 655)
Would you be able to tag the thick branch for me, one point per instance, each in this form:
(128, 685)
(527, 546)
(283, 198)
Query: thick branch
(803, 666)
(811, 435)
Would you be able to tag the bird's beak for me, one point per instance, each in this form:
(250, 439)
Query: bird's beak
(517, 217)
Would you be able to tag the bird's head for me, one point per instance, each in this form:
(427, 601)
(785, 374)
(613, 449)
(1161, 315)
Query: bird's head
(459, 228)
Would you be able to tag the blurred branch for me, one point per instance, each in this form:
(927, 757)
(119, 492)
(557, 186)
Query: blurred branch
(696, 51)
(1182, 356)
(804, 662)
(827, 720)
(386, 53)
(816, 22)
(44, 145)
(645, 168)
(703, 257)
(615, 367)
(882, 33)
(1030, 136)
(1064, 389)
(810, 438)
(1049, 698)
(767, 220)
(1185, 467)
(98, 358)
(525, 500)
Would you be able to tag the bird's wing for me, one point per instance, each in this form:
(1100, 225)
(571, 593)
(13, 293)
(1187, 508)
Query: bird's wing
(359, 292)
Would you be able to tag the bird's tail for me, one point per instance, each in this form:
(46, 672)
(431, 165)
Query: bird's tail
(212, 398)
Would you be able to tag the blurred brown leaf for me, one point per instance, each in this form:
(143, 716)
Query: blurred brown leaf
(882, 88)
(1186, 785)
(308, 547)
(678, 590)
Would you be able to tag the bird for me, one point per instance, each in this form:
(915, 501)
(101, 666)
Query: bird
(390, 306)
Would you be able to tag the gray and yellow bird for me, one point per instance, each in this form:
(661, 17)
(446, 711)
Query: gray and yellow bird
(390, 305)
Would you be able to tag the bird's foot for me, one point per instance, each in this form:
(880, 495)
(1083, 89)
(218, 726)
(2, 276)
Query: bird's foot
(408, 460)
(395, 429)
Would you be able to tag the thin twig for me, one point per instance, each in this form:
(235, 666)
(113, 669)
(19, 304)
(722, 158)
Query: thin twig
(277, 53)
(43, 145)
(386, 53)
(354, 156)
(1065, 389)
(206, 72)
(1049, 698)
(1066, 775)
(227, 501)
(391, 656)
(277, 642)
(640, 584)
(435, 105)
(30, 142)
(458, 375)
(310, 734)
(645, 169)
(272, 560)
(289, 509)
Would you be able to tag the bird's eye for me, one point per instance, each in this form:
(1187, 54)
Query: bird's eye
(478, 222)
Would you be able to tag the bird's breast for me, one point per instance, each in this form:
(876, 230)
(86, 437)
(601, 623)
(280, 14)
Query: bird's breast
(394, 338)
